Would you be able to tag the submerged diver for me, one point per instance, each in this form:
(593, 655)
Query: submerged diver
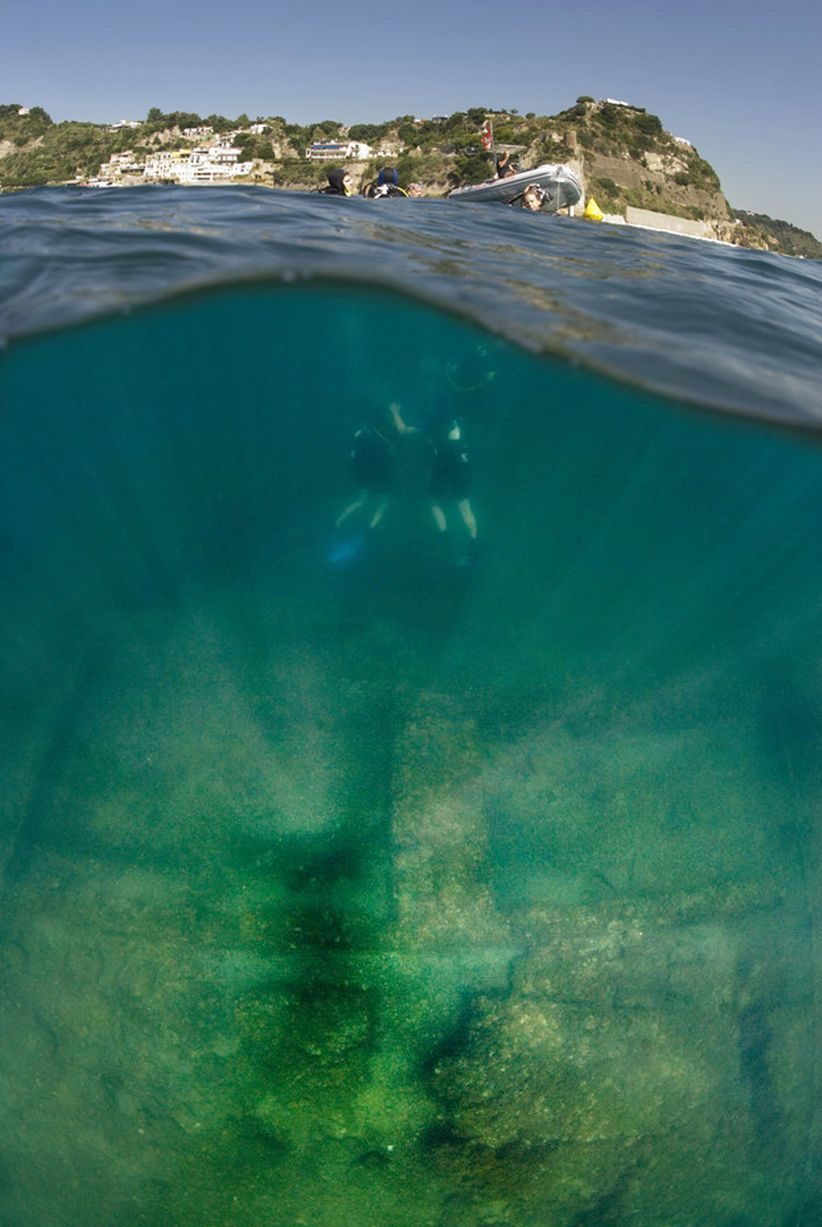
(450, 471)
(451, 477)
(339, 183)
(371, 465)
(387, 183)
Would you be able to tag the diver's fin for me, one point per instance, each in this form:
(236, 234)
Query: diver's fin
(344, 550)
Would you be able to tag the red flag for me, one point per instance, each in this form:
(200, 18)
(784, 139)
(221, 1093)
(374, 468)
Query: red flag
(487, 134)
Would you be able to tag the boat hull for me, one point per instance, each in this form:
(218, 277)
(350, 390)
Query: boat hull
(561, 186)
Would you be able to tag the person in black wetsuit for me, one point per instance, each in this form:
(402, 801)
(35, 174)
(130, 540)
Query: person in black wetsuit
(339, 183)
(450, 470)
(451, 476)
(371, 465)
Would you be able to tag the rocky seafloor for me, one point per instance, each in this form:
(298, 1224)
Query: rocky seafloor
(296, 941)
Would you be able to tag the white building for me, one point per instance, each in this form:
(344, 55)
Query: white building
(164, 163)
(337, 151)
(126, 123)
(216, 165)
(327, 151)
(223, 154)
(119, 164)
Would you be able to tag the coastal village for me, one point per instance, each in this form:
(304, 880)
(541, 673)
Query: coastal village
(205, 157)
(213, 159)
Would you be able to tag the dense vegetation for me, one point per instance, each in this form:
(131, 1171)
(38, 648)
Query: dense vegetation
(20, 125)
(54, 153)
(790, 239)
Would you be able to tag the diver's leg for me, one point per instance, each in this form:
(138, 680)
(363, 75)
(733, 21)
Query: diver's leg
(351, 508)
(439, 517)
(468, 517)
(378, 514)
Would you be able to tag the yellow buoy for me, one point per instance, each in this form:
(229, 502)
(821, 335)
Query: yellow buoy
(593, 211)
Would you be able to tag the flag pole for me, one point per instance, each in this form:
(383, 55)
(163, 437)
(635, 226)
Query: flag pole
(487, 138)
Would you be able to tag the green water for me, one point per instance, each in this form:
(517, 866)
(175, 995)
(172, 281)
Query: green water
(402, 894)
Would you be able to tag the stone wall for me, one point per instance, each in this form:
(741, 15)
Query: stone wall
(666, 221)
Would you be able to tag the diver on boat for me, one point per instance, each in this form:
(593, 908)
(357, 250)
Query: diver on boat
(339, 183)
(504, 166)
(387, 183)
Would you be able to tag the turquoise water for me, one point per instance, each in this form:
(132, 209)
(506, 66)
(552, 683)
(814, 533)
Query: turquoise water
(401, 892)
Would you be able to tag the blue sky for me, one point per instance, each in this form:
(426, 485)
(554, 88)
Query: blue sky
(740, 80)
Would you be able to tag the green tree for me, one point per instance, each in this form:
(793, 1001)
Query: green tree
(470, 166)
(254, 148)
(364, 132)
(649, 124)
(328, 127)
(408, 134)
(219, 123)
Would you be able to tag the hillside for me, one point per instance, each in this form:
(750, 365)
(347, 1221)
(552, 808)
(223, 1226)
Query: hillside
(629, 159)
(790, 239)
(623, 153)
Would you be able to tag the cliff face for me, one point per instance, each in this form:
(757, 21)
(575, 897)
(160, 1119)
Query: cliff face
(627, 158)
(661, 180)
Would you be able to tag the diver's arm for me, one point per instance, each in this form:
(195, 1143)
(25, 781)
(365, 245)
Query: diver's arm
(402, 427)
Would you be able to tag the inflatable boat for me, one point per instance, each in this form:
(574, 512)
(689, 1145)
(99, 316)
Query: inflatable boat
(560, 186)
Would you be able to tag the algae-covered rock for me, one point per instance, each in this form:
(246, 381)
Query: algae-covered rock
(535, 1074)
